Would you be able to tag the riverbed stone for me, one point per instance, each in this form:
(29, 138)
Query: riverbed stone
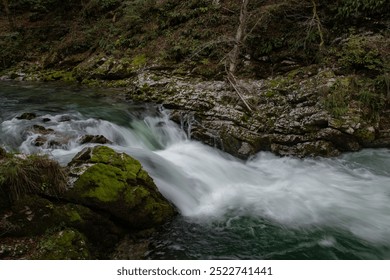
(97, 139)
(27, 116)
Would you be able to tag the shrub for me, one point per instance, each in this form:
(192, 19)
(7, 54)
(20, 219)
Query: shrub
(361, 53)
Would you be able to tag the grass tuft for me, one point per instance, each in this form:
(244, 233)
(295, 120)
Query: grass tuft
(34, 174)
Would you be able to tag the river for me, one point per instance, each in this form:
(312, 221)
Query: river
(264, 208)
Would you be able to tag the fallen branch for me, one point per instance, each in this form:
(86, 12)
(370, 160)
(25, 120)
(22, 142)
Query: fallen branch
(233, 82)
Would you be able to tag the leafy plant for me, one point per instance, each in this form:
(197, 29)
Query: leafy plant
(360, 53)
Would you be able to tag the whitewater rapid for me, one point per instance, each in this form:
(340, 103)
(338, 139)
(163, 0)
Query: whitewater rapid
(350, 193)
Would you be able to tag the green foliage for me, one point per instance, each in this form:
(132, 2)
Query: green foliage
(372, 103)
(107, 4)
(96, 7)
(360, 53)
(355, 91)
(139, 61)
(43, 6)
(33, 174)
(33, 5)
(382, 85)
(371, 98)
(338, 98)
(359, 8)
(11, 49)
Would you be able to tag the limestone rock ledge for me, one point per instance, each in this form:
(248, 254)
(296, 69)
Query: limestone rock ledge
(307, 112)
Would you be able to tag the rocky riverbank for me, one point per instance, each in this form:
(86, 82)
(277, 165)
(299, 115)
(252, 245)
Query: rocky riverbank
(292, 114)
(310, 111)
(321, 115)
(101, 201)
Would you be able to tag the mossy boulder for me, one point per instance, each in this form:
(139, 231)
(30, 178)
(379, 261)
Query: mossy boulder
(30, 216)
(115, 183)
(34, 216)
(67, 244)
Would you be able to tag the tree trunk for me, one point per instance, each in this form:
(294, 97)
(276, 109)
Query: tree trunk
(9, 15)
(240, 35)
(316, 18)
(234, 54)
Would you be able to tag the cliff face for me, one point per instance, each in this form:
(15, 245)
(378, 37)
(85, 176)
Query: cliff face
(315, 74)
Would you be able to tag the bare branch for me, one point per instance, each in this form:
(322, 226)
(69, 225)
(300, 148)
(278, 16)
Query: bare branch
(316, 19)
(233, 82)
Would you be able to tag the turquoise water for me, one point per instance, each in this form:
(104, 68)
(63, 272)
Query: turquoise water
(264, 208)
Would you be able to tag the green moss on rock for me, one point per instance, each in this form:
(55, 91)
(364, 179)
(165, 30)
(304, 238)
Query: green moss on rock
(54, 75)
(33, 215)
(74, 216)
(365, 135)
(116, 183)
(67, 244)
(100, 176)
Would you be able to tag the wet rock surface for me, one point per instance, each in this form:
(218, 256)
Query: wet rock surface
(97, 139)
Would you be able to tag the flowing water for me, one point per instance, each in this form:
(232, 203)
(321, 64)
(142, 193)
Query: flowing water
(264, 208)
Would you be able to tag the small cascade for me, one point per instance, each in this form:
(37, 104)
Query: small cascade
(186, 122)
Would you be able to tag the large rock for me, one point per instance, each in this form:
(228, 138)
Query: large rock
(116, 184)
(33, 216)
(110, 194)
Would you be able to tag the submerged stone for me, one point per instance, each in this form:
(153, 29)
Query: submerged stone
(27, 116)
(98, 139)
